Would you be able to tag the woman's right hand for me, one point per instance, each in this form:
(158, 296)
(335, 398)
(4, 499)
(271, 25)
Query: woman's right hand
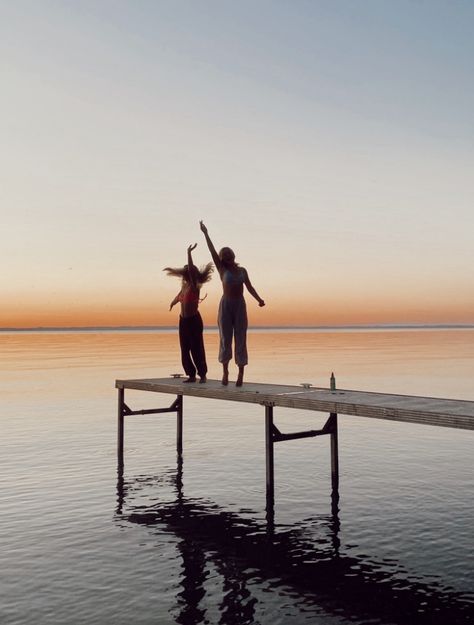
(203, 227)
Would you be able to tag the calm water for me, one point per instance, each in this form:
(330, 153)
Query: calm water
(189, 543)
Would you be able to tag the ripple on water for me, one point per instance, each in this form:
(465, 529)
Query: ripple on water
(191, 544)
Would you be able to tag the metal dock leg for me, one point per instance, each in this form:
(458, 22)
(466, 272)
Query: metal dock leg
(269, 456)
(334, 454)
(273, 435)
(125, 411)
(179, 424)
(120, 430)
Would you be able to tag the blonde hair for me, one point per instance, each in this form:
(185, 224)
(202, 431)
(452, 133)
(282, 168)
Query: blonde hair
(200, 276)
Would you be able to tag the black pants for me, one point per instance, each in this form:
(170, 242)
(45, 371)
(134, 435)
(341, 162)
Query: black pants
(193, 355)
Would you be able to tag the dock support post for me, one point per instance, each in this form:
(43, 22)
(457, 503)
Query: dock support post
(334, 454)
(120, 429)
(179, 424)
(269, 457)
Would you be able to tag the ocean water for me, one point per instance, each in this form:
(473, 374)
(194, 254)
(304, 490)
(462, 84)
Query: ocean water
(187, 540)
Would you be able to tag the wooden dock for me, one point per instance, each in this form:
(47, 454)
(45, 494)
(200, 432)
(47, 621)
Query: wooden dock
(432, 411)
(451, 413)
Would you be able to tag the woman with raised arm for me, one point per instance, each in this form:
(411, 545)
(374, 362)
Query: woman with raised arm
(193, 356)
(232, 316)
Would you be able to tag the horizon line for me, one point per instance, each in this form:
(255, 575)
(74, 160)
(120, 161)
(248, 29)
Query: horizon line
(138, 328)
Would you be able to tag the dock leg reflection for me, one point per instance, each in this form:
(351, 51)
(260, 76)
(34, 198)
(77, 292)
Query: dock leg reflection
(120, 491)
(179, 478)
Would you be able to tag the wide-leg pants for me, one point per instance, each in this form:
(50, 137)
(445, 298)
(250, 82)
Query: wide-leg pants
(232, 322)
(191, 341)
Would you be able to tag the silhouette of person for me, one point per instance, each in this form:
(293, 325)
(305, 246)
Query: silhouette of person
(232, 315)
(193, 356)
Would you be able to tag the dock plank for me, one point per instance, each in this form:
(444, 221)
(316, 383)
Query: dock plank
(452, 413)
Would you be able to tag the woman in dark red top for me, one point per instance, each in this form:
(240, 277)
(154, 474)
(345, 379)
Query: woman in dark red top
(191, 340)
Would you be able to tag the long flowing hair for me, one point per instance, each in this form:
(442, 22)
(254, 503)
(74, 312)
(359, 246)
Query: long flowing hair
(200, 276)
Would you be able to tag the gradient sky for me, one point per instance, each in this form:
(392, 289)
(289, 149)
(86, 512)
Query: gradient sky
(330, 143)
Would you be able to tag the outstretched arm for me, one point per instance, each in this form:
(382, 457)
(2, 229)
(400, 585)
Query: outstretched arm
(192, 281)
(210, 245)
(251, 290)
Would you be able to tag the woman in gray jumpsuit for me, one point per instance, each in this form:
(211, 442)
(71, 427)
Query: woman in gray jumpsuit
(232, 316)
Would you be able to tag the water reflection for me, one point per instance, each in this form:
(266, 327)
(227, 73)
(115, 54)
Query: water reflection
(192, 581)
(305, 561)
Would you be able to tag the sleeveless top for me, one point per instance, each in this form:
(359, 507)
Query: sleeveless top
(228, 277)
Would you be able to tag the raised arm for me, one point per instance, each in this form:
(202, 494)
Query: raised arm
(210, 245)
(251, 290)
(192, 280)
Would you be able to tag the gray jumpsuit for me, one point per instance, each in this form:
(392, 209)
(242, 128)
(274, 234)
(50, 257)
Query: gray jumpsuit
(232, 322)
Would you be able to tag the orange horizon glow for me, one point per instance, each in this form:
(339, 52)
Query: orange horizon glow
(276, 313)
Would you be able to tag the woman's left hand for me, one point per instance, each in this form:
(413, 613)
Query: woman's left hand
(192, 247)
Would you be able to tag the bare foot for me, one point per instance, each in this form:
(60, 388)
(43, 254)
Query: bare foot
(203, 380)
(240, 377)
(189, 380)
(225, 373)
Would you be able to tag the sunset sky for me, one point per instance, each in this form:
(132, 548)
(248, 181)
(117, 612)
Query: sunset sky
(329, 143)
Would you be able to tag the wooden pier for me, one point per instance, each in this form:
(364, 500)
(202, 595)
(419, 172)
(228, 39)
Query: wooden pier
(450, 413)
